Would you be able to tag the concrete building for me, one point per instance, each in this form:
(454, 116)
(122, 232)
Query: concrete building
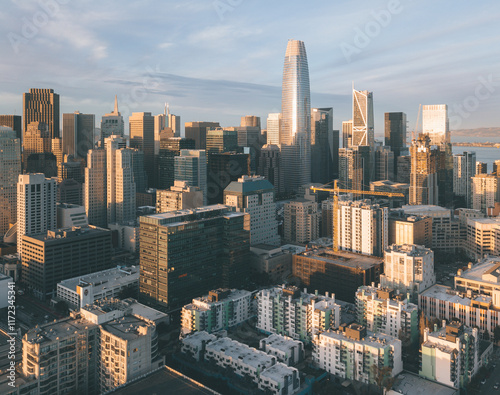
(191, 166)
(218, 241)
(485, 191)
(106, 284)
(363, 227)
(61, 254)
(382, 310)
(14, 122)
(141, 129)
(220, 309)
(10, 163)
(127, 235)
(180, 196)
(274, 261)
(409, 269)
(280, 379)
(194, 344)
(302, 221)
(36, 206)
(392, 187)
(481, 168)
(423, 176)
(384, 163)
(482, 278)
(95, 188)
(170, 147)
(6, 285)
(197, 131)
(403, 163)
(409, 229)
(41, 105)
(112, 124)
(69, 215)
(340, 272)
(464, 168)
(483, 237)
(284, 348)
(270, 166)
(450, 355)
(273, 128)
(288, 311)
(350, 353)
(347, 134)
(36, 140)
(255, 196)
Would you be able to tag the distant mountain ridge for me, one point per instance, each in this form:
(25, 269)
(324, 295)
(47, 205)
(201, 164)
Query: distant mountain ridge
(479, 132)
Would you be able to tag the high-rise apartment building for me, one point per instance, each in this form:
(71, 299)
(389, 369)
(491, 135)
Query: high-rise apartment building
(464, 168)
(170, 147)
(409, 269)
(42, 105)
(271, 168)
(218, 240)
(362, 119)
(142, 137)
(324, 146)
(221, 140)
(481, 168)
(78, 134)
(198, 132)
(14, 122)
(95, 191)
(435, 123)
(112, 124)
(36, 205)
(423, 177)
(485, 191)
(302, 221)
(255, 196)
(180, 196)
(295, 136)
(363, 227)
(10, 165)
(191, 166)
(273, 128)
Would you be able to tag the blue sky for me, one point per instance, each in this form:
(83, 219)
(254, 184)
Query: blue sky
(217, 60)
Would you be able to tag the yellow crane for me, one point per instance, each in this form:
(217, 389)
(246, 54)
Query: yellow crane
(336, 190)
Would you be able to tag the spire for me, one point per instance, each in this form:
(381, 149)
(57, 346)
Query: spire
(116, 105)
(168, 109)
(165, 111)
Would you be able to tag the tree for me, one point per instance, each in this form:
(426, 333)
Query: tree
(383, 377)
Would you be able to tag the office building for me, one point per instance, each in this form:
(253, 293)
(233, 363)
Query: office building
(218, 241)
(273, 128)
(221, 140)
(355, 168)
(41, 105)
(384, 163)
(65, 253)
(464, 168)
(14, 122)
(284, 348)
(221, 309)
(392, 187)
(383, 310)
(485, 191)
(112, 124)
(423, 177)
(142, 137)
(10, 163)
(408, 269)
(483, 237)
(435, 123)
(174, 123)
(255, 196)
(362, 119)
(347, 134)
(179, 197)
(480, 278)
(324, 146)
(275, 262)
(197, 131)
(300, 315)
(395, 134)
(363, 227)
(36, 206)
(249, 140)
(78, 134)
(481, 168)
(106, 284)
(36, 140)
(351, 352)
(302, 221)
(57, 150)
(95, 190)
(191, 166)
(160, 124)
(170, 147)
(450, 355)
(409, 229)
(403, 164)
(70, 215)
(71, 192)
(295, 136)
(222, 170)
(270, 167)
(250, 121)
(71, 168)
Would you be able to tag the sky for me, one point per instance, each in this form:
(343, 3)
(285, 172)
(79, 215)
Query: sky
(217, 60)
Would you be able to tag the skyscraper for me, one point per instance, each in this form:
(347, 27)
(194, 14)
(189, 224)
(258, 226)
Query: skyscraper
(221, 140)
(423, 176)
(170, 147)
(95, 200)
(435, 123)
(191, 166)
(10, 163)
(395, 134)
(112, 124)
(36, 140)
(362, 118)
(78, 134)
(198, 132)
(36, 205)
(14, 122)
(295, 137)
(347, 134)
(42, 105)
(464, 168)
(355, 167)
(324, 146)
(250, 121)
(270, 167)
(222, 169)
(142, 137)
(273, 128)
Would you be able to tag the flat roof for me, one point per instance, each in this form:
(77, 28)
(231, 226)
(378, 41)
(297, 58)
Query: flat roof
(281, 342)
(343, 258)
(411, 384)
(278, 371)
(423, 208)
(489, 266)
(109, 278)
(409, 249)
(239, 351)
(125, 327)
(372, 339)
(180, 213)
(58, 329)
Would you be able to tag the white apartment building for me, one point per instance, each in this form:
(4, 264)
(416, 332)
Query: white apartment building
(382, 310)
(255, 195)
(351, 352)
(179, 197)
(83, 290)
(450, 355)
(288, 311)
(302, 221)
(284, 348)
(194, 344)
(363, 227)
(36, 205)
(485, 191)
(220, 309)
(483, 237)
(408, 268)
(279, 379)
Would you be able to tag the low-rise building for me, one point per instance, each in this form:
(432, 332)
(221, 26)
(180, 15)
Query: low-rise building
(482, 278)
(195, 344)
(284, 348)
(288, 311)
(352, 351)
(220, 309)
(409, 229)
(483, 237)
(279, 379)
(274, 261)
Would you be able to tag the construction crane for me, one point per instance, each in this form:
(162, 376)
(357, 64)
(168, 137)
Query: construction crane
(336, 190)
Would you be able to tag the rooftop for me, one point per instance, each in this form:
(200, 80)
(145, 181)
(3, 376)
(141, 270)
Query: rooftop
(128, 306)
(180, 217)
(57, 330)
(488, 270)
(277, 372)
(109, 278)
(343, 258)
(279, 342)
(68, 233)
(247, 185)
(238, 351)
(376, 340)
(448, 294)
(127, 327)
(426, 209)
(409, 249)
(411, 384)
(196, 338)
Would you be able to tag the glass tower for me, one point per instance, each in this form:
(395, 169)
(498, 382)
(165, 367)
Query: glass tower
(295, 138)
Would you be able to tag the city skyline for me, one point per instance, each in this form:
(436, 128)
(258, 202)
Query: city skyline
(216, 61)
